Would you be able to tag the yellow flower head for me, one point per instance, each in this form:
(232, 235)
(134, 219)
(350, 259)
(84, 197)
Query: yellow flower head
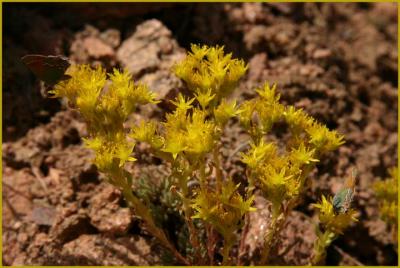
(190, 133)
(302, 155)
(257, 153)
(147, 132)
(268, 93)
(297, 119)
(83, 88)
(204, 98)
(278, 184)
(182, 104)
(386, 192)
(225, 111)
(208, 68)
(224, 210)
(112, 151)
(323, 139)
(336, 223)
(262, 112)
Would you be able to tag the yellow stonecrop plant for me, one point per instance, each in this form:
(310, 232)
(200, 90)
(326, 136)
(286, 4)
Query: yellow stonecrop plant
(281, 173)
(332, 224)
(188, 140)
(387, 195)
(105, 111)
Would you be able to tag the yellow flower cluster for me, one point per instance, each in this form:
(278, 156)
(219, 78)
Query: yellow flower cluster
(334, 222)
(259, 114)
(186, 130)
(189, 133)
(105, 105)
(223, 210)
(210, 73)
(111, 151)
(225, 111)
(193, 130)
(147, 132)
(281, 175)
(386, 192)
(83, 89)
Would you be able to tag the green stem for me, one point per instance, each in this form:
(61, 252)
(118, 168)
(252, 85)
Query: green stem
(188, 213)
(318, 258)
(121, 181)
(321, 244)
(218, 170)
(225, 251)
(245, 230)
(142, 211)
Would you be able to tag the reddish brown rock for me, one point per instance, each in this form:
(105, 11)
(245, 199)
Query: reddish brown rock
(105, 211)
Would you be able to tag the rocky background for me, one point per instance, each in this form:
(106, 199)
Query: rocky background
(337, 61)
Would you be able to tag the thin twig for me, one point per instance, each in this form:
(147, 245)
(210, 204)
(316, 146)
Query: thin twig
(38, 174)
(289, 247)
(14, 212)
(340, 251)
(16, 191)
